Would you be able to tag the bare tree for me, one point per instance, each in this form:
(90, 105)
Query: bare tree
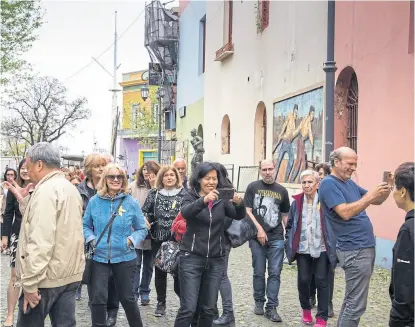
(40, 111)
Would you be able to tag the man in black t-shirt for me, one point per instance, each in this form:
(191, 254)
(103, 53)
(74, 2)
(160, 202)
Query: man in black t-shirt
(267, 204)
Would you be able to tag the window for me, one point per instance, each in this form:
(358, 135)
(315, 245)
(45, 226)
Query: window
(226, 135)
(352, 106)
(202, 45)
(135, 115)
(264, 14)
(227, 49)
(228, 22)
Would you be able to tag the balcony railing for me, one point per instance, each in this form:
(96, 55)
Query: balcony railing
(224, 52)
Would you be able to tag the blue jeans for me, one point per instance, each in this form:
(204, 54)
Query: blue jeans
(57, 302)
(286, 147)
(273, 251)
(145, 258)
(226, 288)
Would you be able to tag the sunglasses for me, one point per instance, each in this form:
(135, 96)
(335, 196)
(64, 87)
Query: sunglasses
(113, 177)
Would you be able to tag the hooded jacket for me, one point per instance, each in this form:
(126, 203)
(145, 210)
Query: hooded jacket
(206, 224)
(293, 232)
(113, 246)
(51, 245)
(401, 288)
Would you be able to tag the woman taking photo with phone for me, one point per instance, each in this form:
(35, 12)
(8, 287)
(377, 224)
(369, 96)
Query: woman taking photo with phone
(114, 244)
(161, 208)
(145, 181)
(202, 261)
(10, 237)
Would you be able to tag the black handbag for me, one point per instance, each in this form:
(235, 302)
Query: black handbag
(166, 256)
(90, 249)
(241, 231)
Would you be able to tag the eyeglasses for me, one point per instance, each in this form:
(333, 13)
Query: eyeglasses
(113, 177)
(10, 174)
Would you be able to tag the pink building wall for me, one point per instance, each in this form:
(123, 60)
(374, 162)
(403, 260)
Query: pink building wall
(374, 39)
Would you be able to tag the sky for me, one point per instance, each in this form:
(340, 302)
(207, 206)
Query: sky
(73, 33)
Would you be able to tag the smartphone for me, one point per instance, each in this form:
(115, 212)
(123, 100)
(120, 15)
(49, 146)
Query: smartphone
(388, 178)
(226, 193)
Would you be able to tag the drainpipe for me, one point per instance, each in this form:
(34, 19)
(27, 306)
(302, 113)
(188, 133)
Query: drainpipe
(330, 68)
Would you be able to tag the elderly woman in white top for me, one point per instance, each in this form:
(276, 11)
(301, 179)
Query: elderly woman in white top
(310, 242)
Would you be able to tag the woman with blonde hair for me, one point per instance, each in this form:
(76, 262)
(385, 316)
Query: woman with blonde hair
(94, 165)
(114, 244)
(161, 208)
(146, 180)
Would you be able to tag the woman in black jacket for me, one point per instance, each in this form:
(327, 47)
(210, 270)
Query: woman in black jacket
(10, 236)
(202, 262)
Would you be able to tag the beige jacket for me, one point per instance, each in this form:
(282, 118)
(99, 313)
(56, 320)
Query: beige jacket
(51, 244)
(140, 194)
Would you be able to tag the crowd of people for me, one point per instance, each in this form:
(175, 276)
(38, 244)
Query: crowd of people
(105, 230)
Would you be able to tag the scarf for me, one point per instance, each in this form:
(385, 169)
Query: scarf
(311, 217)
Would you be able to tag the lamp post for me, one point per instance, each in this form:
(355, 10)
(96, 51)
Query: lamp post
(144, 93)
(160, 95)
(330, 69)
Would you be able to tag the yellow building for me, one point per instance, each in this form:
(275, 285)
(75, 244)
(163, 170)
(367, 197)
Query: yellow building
(138, 133)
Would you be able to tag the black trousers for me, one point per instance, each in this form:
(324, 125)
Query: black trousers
(313, 287)
(306, 266)
(199, 279)
(160, 277)
(123, 274)
(177, 291)
(113, 303)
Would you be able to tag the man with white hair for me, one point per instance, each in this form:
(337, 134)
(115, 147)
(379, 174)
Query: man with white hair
(50, 258)
(267, 204)
(181, 166)
(344, 206)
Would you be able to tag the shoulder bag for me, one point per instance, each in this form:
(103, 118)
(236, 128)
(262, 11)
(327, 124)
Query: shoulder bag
(241, 231)
(90, 250)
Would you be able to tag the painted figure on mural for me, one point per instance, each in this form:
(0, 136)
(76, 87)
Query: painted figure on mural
(197, 143)
(297, 133)
(304, 132)
(285, 140)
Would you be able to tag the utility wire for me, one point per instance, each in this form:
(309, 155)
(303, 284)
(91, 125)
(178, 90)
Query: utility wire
(112, 44)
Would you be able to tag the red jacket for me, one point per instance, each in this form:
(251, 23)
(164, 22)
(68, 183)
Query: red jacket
(179, 227)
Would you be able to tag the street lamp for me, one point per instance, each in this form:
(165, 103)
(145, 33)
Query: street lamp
(160, 95)
(144, 93)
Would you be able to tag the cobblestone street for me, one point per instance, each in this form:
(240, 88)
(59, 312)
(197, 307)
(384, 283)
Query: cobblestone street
(240, 272)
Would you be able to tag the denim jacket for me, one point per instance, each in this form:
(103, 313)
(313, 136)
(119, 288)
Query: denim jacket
(293, 232)
(129, 217)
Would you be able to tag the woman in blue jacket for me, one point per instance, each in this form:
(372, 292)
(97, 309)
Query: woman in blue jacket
(116, 251)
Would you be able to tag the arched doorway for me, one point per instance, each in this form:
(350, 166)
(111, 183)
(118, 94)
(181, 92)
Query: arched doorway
(200, 131)
(260, 133)
(226, 135)
(346, 99)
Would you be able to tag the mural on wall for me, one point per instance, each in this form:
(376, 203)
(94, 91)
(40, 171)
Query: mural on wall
(297, 134)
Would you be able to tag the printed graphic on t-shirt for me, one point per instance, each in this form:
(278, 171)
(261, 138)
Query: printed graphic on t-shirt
(266, 206)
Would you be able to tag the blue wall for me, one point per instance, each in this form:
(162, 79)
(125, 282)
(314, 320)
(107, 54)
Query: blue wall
(384, 253)
(190, 80)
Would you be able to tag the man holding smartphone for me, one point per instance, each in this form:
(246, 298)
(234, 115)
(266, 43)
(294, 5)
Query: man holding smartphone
(267, 204)
(344, 206)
